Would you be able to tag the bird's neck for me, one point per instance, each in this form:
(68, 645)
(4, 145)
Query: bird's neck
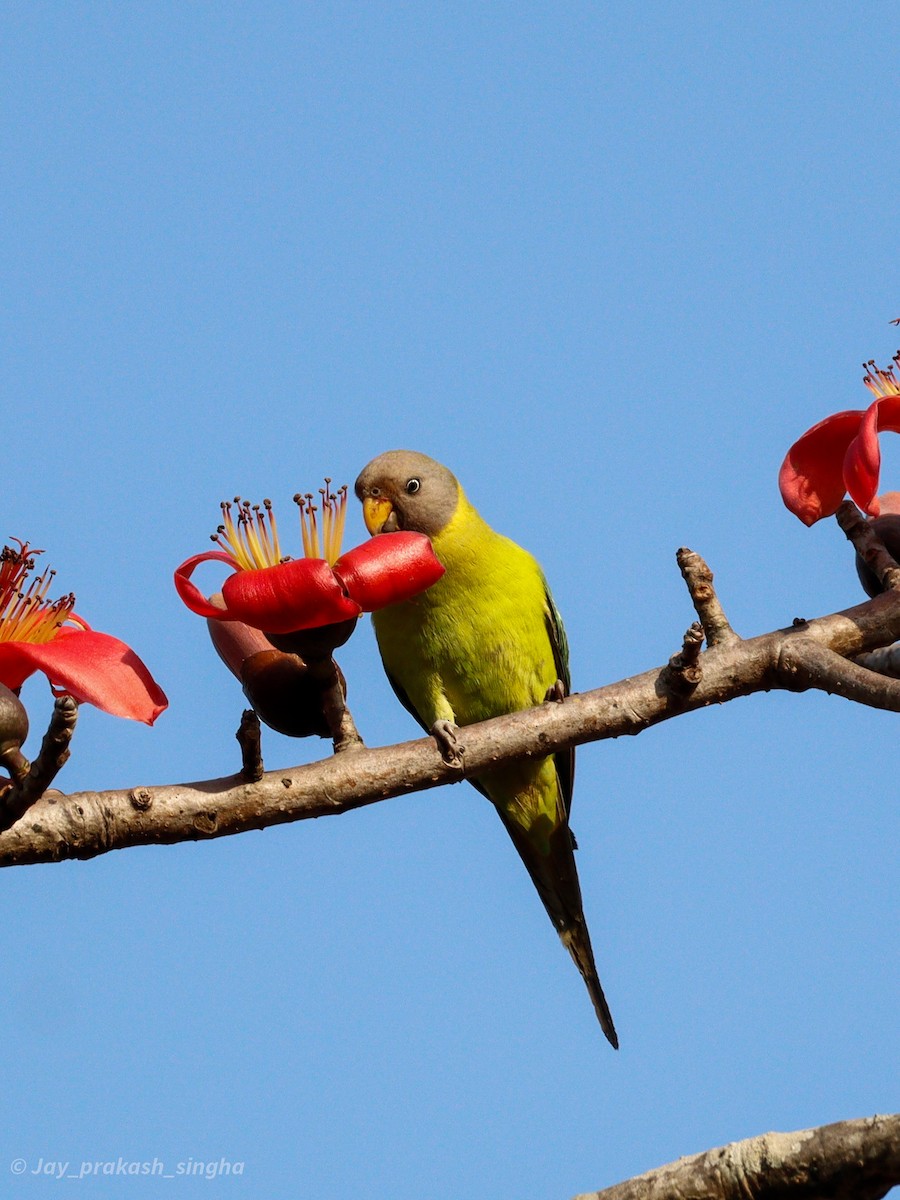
(462, 536)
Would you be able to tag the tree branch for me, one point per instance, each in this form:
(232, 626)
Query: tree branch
(885, 661)
(869, 545)
(699, 580)
(810, 654)
(850, 1160)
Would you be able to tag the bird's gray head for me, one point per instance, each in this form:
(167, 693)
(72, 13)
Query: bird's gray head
(406, 490)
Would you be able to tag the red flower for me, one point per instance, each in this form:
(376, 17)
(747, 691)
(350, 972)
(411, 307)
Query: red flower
(47, 636)
(279, 595)
(841, 454)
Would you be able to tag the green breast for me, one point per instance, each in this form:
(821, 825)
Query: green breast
(478, 638)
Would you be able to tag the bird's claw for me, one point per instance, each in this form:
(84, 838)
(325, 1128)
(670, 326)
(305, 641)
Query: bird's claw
(556, 693)
(445, 734)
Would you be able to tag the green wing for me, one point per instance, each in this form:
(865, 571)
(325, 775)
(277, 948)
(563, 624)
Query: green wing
(559, 644)
(403, 698)
(565, 760)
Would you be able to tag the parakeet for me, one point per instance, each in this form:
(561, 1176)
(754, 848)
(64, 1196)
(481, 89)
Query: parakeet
(486, 639)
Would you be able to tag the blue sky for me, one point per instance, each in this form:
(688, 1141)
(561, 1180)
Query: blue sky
(606, 262)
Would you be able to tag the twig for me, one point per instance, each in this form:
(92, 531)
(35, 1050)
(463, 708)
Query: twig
(868, 544)
(684, 671)
(344, 734)
(699, 580)
(250, 741)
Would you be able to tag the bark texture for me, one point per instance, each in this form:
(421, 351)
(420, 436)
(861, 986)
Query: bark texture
(850, 1160)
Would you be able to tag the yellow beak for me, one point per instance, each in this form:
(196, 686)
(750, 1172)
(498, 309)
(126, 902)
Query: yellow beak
(376, 511)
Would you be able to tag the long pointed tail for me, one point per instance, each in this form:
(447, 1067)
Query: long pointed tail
(578, 943)
(556, 879)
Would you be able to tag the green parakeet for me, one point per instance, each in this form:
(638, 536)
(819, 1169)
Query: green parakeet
(486, 639)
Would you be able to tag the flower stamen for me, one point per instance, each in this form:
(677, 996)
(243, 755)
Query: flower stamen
(25, 613)
(271, 534)
(309, 531)
(881, 382)
(334, 514)
(334, 522)
(249, 536)
(249, 533)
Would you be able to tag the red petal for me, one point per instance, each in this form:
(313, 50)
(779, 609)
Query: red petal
(862, 462)
(388, 568)
(190, 593)
(93, 667)
(300, 594)
(812, 475)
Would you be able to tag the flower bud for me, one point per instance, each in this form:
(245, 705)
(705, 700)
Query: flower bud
(13, 732)
(284, 694)
(314, 644)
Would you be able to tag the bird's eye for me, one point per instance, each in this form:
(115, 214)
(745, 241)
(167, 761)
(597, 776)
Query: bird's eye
(375, 491)
(412, 486)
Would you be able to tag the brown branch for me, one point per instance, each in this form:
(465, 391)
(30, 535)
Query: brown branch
(850, 1160)
(869, 545)
(330, 678)
(684, 671)
(86, 824)
(814, 666)
(699, 580)
(250, 741)
(885, 661)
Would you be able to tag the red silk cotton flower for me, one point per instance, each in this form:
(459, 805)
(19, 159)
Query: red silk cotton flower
(48, 636)
(280, 595)
(841, 454)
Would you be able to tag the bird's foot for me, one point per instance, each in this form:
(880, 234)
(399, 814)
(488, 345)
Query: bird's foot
(556, 693)
(445, 734)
